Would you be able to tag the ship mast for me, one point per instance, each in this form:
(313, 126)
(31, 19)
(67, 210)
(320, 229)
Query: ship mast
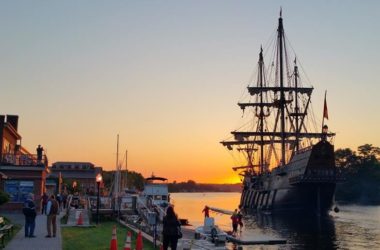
(261, 76)
(280, 110)
(296, 102)
(280, 33)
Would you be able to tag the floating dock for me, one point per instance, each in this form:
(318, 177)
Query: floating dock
(255, 242)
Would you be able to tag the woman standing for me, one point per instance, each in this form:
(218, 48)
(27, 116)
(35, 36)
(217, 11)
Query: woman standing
(171, 230)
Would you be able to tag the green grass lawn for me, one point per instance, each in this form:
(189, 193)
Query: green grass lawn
(98, 238)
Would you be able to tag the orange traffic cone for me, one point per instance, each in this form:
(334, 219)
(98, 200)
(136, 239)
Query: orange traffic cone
(127, 245)
(80, 219)
(113, 240)
(139, 241)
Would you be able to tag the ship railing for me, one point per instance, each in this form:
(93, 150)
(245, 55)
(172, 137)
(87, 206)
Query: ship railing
(144, 210)
(302, 150)
(315, 178)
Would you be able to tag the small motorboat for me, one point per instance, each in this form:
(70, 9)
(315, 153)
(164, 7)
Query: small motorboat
(210, 231)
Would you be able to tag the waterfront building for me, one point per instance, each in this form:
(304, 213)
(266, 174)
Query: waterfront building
(69, 174)
(21, 171)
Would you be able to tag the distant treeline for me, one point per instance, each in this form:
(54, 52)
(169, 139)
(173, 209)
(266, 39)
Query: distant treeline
(136, 181)
(361, 170)
(192, 186)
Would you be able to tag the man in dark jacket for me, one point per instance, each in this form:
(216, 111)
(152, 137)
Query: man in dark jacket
(29, 211)
(51, 212)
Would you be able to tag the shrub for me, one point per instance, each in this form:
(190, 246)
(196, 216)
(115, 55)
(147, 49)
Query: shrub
(4, 197)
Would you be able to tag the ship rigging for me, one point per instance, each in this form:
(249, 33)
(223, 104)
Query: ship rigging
(282, 137)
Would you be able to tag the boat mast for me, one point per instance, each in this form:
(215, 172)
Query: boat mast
(126, 168)
(282, 92)
(261, 76)
(296, 96)
(117, 175)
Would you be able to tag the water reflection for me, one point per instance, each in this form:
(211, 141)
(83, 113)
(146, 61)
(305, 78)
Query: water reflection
(354, 227)
(301, 232)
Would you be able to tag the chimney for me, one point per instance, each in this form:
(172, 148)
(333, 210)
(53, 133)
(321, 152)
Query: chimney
(2, 120)
(13, 120)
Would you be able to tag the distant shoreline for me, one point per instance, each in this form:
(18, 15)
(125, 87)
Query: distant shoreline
(206, 192)
(193, 187)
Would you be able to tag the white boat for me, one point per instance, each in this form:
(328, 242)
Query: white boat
(210, 231)
(156, 192)
(153, 200)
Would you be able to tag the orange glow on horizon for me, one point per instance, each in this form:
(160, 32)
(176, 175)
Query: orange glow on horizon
(233, 179)
(172, 98)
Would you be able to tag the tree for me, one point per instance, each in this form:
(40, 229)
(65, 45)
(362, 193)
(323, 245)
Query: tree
(362, 175)
(345, 158)
(368, 153)
(134, 180)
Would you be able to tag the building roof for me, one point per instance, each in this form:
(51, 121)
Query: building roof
(75, 173)
(72, 163)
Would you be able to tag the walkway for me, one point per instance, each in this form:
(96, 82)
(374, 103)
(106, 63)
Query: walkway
(40, 242)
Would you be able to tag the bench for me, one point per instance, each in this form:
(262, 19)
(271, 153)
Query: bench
(5, 228)
(8, 229)
(2, 240)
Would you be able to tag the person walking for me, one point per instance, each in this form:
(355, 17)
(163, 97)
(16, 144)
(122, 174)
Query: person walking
(235, 222)
(29, 211)
(64, 200)
(45, 198)
(171, 229)
(59, 200)
(51, 212)
(240, 220)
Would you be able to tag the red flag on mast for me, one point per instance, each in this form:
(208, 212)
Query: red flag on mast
(325, 111)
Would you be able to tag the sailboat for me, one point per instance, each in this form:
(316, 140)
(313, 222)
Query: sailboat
(289, 161)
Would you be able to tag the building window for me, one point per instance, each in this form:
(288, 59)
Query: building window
(18, 190)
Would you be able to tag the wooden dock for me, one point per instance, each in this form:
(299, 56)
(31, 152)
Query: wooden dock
(188, 241)
(255, 242)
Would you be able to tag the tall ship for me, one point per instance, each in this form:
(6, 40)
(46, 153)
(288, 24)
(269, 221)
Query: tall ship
(287, 157)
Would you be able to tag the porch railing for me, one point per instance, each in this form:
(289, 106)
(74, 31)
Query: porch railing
(23, 160)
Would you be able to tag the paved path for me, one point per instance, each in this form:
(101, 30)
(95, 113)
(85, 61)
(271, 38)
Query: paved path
(19, 242)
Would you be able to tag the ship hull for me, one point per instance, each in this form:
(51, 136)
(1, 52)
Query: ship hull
(316, 199)
(306, 184)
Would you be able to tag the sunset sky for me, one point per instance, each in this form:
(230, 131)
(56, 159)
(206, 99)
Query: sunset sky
(166, 76)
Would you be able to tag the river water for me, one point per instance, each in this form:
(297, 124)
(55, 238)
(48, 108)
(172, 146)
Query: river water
(354, 227)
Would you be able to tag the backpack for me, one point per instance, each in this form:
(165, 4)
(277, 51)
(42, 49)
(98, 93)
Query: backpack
(54, 207)
(29, 209)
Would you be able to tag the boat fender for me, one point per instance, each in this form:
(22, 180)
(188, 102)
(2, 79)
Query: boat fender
(336, 209)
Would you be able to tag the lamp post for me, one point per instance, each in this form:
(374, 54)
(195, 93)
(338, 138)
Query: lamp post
(98, 181)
